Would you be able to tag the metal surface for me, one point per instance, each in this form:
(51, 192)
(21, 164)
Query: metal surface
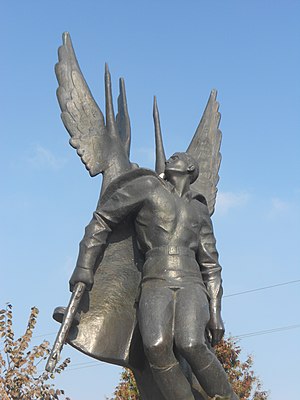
(148, 257)
(65, 327)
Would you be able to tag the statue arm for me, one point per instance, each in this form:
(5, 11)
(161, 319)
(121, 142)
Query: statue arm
(91, 249)
(207, 257)
(121, 203)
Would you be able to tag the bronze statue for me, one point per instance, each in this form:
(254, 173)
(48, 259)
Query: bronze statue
(146, 289)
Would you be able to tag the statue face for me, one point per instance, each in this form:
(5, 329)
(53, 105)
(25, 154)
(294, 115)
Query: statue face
(176, 163)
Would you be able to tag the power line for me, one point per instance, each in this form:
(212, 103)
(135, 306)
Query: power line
(267, 331)
(262, 288)
(92, 364)
(82, 364)
(46, 334)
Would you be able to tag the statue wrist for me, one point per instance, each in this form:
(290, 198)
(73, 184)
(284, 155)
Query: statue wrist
(215, 305)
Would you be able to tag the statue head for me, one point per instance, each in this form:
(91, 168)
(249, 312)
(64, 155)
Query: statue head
(182, 163)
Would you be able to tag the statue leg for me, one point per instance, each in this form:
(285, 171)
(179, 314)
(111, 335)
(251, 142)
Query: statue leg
(191, 318)
(156, 321)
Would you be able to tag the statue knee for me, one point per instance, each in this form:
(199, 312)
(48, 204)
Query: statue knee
(191, 349)
(159, 354)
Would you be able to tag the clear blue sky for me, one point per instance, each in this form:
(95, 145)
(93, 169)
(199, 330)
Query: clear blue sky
(179, 51)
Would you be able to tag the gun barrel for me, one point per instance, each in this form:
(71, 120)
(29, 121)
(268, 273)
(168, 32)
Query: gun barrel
(65, 326)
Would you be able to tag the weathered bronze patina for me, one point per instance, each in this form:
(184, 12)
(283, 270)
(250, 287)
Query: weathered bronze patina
(147, 284)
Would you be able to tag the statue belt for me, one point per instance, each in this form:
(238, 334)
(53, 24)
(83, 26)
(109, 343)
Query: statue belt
(170, 251)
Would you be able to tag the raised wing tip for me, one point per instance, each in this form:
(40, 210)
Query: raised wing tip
(155, 109)
(66, 37)
(122, 85)
(214, 93)
(107, 77)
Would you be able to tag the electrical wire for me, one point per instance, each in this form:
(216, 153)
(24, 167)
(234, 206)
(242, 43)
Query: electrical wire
(267, 331)
(261, 288)
(92, 364)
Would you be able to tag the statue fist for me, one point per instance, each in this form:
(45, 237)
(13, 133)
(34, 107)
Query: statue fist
(83, 275)
(215, 328)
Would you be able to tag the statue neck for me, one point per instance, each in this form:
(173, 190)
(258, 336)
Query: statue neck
(181, 183)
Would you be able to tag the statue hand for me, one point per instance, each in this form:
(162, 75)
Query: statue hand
(215, 328)
(83, 275)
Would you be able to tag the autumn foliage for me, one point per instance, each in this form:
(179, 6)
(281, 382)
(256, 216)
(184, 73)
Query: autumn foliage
(127, 389)
(19, 363)
(240, 373)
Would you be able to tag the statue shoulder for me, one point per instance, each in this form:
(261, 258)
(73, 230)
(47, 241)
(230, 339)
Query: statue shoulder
(138, 177)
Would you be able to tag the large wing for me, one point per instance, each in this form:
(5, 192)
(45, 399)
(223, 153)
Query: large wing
(96, 142)
(80, 114)
(205, 148)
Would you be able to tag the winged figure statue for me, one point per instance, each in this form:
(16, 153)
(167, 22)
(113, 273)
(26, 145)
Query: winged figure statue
(147, 285)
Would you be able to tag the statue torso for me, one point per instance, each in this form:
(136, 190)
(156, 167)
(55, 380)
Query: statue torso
(166, 219)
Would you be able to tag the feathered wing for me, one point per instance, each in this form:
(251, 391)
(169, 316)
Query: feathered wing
(205, 148)
(96, 142)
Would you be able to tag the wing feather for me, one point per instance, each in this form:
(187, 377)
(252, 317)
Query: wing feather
(122, 119)
(81, 115)
(205, 148)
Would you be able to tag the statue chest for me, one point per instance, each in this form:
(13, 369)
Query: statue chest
(170, 214)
